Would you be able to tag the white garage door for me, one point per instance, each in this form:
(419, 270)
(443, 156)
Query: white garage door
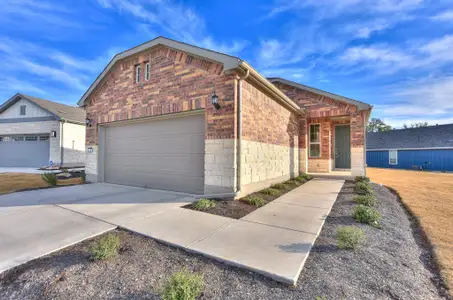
(162, 154)
(24, 150)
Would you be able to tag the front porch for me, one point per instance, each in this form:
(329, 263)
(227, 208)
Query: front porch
(333, 146)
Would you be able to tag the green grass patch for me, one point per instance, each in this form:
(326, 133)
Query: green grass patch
(183, 285)
(106, 247)
(50, 178)
(349, 237)
(270, 192)
(367, 200)
(366, 215)
(255, 200)
(203, 204)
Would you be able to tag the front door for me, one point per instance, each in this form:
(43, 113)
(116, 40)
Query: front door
(342, 147)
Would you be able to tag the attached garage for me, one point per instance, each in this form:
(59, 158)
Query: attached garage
(162, 154)
(24, 150)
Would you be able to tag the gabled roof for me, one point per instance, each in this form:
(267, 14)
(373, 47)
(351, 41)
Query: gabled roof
(61, 111)
(229, 63)
(439, 136)
(360, 105)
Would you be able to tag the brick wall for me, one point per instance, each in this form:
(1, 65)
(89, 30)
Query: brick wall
(178, 82)
(270, 139)
(267, 121)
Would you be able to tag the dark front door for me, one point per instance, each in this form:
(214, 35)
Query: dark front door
(342, 147)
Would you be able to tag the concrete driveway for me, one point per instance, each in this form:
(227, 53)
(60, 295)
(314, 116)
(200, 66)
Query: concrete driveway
(35, 223)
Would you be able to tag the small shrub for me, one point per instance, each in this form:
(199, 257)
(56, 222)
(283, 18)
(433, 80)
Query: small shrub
(278, 186)
(255, 201)
(367, 200)
(305, 176)
(301, 179)
(203, 204)
(106, 247)
(363, 188)
(362, 179)
(182, 286)
(291, 182)
(50, 178)
(270, 192)
(83, 177)
(349, 237)
(367, 215)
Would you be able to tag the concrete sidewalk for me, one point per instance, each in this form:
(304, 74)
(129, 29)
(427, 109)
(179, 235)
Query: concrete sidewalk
(274, 240)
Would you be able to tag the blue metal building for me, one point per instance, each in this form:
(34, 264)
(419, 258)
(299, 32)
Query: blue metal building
(427, 148)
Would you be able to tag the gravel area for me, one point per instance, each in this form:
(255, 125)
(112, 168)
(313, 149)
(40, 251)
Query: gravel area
(387, 266)
(237, 209)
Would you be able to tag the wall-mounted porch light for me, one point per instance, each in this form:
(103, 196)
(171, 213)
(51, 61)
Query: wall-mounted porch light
(215, 100)
(88, 122)
(53, 133)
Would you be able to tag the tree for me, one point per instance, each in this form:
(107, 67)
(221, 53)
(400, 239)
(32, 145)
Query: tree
(377, 125)
(416, 125)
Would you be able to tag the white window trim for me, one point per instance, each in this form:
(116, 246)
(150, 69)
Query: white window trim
(137, 73)
(315, 143)
(396, 158)
(147, 71)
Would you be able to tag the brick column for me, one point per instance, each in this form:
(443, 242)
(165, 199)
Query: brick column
(358, 143)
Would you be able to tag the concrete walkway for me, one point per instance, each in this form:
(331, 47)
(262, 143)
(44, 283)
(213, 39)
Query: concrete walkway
(274, 240)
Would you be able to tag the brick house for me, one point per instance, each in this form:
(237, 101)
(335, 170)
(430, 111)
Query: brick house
(153, 123)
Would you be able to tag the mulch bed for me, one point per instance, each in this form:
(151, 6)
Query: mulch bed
(386, 266)
(237, 209)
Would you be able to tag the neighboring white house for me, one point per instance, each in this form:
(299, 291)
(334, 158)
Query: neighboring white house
(35, 132)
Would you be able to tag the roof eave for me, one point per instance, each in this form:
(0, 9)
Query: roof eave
(229, 62)
(360, 105)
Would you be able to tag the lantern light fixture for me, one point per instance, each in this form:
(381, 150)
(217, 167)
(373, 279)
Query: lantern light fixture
(215, 100)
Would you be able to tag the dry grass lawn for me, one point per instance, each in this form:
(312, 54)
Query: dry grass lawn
(12, 182)
(430, 197)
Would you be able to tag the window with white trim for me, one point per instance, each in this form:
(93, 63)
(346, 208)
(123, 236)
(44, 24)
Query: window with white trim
(138, 70)
(23, 110)
(147, 70)
(393, 157)
(315, 140)
(31, 138)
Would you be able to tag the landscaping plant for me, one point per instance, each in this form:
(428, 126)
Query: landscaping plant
(291, 182)
(270, 192)
(304, 177)
(203, 204)
(278, 186)
(367, 200)
(183, 285)
(83, 177)
(363, 188)
(50, 178)
(367, 215)
(255, 200)
(349, 237)
(106, 247)
(362, 179)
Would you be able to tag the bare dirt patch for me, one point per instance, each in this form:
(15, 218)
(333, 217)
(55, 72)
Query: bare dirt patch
(429, 197)
(237, 209)
(14, 182)
(386, 266)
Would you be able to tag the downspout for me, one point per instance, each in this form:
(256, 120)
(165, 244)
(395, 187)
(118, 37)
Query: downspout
(239, 132)
(61, 143)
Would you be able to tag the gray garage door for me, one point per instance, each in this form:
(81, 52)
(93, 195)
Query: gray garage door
(24, 151)
(164, 154)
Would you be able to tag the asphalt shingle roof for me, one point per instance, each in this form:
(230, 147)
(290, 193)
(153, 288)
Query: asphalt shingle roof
(425, 137)
(63, 111)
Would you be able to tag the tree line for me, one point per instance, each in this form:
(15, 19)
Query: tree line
(377, 125)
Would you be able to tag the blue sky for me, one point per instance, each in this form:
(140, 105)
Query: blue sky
(394, 54)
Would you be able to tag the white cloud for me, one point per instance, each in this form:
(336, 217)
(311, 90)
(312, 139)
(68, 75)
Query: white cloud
(444, 16)
(427, 99)
(175, 19)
